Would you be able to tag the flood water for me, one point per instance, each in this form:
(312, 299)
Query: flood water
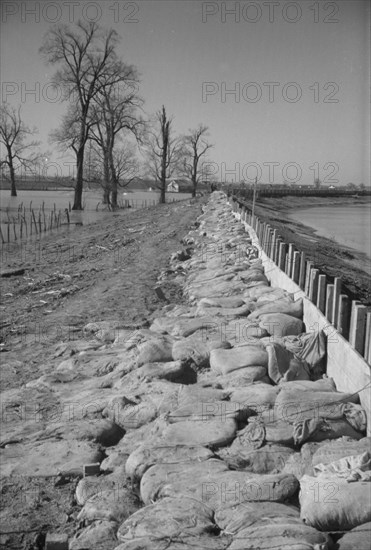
(347, 225)
(93, 211)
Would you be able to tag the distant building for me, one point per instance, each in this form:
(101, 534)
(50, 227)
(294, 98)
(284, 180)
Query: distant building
(173, 187)
(179, 186)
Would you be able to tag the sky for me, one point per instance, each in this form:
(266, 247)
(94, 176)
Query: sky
(282, 85)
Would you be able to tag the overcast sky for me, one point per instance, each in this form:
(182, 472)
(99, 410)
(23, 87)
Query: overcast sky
(283, 86)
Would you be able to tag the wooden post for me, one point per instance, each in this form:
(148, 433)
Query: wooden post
(329, 302)
(308, 268)
(321, 296)
(277, 251)
(367, 354)
(358, 328)
(344, 315)
(290, 259)
(274, 244)
(2, 236)
(302, 271)
(287, 260)
(282, 256)
(296, 266)
(337, 290)
(313, 285)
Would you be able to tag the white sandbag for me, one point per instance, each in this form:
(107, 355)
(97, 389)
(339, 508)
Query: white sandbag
(334, 505)
(146, 456)
(265, 429)
(280, 324)
(227, 361)
(256, 293)
(232, 519)
(168, 518)
(356, 539)
(212, 433)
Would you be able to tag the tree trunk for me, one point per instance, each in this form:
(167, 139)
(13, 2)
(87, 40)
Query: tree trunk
(114, 183)
(77, 204)
(106, 180)
(13, 192)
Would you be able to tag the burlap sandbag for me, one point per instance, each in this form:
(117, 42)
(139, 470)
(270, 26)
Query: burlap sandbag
(212, 433)
(332, 504)
(280, 324)
(227, 361)
(357, 539)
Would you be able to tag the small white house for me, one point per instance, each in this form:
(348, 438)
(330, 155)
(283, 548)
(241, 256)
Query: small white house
(173, 186)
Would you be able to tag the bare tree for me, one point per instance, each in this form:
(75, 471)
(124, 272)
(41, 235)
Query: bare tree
(194, 147)
(17, 152)
(115, 114)
(88, 62)
(162, 151)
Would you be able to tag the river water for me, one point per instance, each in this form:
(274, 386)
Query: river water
(347, 225)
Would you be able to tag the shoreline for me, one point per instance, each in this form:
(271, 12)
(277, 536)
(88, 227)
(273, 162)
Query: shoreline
(333, 258)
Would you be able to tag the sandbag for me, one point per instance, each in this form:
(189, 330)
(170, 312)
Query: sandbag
(226, 361)
(310, 347)
(241, 331)
(168, 518)
(350, 468)
(160, 476)
(282, 533)
(146, 456)
(205, 411)
(257, 396)
(197, 347)
(334, 505)
(155, 350)
(331, 451)
(178, 542)
(357, 539)
(197, 392)
(283, 366)
(130, 415)
(280, 324)
(321, 385)
(213, 484)
(222, 301)
(212, 433)
(227, 313)
(99, 534)
(265, 429)
(243, 377)
(109, 505)
(175, 371)
(232, 519)
(284, 305)
(269, 459)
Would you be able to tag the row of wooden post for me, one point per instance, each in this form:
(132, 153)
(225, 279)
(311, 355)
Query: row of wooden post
(352, 319)
(23, 225)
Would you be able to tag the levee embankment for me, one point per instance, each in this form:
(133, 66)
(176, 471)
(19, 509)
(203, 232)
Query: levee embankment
(218, 426)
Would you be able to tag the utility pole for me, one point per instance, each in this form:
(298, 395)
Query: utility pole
(253, 202)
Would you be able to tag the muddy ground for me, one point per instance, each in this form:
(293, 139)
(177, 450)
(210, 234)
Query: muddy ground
(106, 271)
